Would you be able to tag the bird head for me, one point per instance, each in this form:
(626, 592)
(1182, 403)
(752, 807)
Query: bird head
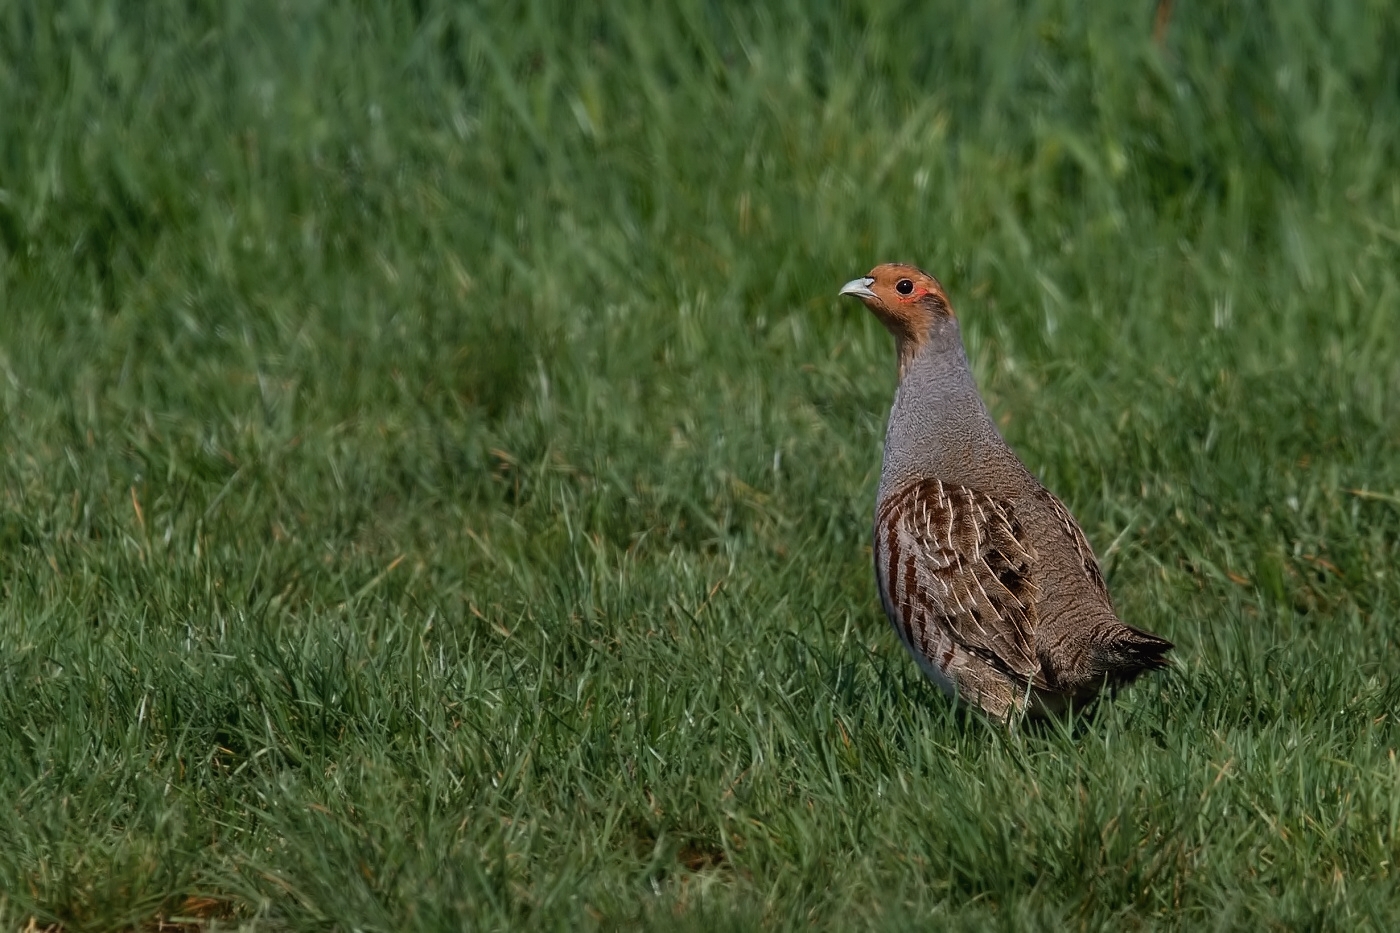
(908, 301)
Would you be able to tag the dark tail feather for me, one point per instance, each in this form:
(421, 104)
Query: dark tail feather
(1131, 651)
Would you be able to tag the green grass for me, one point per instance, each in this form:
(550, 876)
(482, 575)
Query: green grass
(436, 470)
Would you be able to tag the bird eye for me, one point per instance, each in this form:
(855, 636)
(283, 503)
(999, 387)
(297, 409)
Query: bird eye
(904, 286)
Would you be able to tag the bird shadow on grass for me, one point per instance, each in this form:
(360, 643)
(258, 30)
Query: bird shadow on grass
(888, 692)
(1078, 720)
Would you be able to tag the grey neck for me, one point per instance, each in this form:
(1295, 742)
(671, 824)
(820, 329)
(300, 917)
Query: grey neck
(939, 428)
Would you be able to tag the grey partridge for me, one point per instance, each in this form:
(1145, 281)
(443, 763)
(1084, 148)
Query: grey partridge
(983, 573)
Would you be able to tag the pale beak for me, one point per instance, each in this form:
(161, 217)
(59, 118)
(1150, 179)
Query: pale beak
(859, 288)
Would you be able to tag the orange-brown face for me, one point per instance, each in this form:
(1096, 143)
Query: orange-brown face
(905, 299)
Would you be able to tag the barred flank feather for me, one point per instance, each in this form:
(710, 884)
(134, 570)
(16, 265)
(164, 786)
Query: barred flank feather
(953, 563)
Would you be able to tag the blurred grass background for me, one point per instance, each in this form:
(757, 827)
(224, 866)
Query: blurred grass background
(437, 470)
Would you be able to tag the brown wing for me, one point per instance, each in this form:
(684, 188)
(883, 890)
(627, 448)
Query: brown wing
(1081, 545)
(953, 560)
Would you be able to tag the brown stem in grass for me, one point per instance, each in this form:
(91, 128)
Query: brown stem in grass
(1161, 21)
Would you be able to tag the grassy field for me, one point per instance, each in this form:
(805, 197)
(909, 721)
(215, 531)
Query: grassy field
(436, 470)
